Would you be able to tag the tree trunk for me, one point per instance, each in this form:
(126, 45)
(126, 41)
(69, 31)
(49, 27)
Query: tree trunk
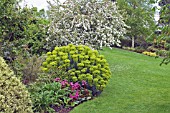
(133, 41)
(101, 44)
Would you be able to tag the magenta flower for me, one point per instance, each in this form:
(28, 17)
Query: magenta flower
(71, 96)
(71, 84)
(57, 79)
(84, 83)
(76, 96)
(77, 85)
(64, 83)
(74, 86)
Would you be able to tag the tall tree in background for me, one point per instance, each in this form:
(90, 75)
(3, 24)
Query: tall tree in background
(164, 24)
(140, 17)
(164, 20)
(21, 29)
(10, 25)
(9, 17)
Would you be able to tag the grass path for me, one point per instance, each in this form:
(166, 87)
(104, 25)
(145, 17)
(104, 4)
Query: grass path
(138, 85)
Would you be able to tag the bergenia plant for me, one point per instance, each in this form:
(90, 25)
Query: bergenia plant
(78, 91)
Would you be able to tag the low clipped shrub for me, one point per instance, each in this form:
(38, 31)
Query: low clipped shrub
(82, 63)
(14, 98)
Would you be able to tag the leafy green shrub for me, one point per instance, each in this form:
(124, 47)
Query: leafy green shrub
(163, 53)
(152, 49)
(47, 95)
(14, 98)
(167, 46)
(81, 63)
(22, 29)
(139, 49)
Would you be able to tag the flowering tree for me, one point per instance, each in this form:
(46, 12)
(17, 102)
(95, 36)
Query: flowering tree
(91, 22)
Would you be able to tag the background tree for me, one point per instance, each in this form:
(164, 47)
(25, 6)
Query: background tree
(36, 31)
(89, 22)
(164, 26)
(140, 17)
(21, 29)
(164, 21)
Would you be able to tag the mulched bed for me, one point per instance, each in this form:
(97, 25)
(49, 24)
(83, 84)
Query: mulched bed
(61, 109)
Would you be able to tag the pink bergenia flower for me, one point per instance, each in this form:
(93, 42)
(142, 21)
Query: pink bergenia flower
(64, 83)
(84, 83)
(71, 96)
(71, 84)
(75, 86)
(76, 96)
(57, 79)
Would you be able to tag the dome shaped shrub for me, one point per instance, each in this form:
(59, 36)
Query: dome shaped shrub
(81, 63)
(14, 98)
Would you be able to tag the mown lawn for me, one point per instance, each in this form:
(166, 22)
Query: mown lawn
(138, 85)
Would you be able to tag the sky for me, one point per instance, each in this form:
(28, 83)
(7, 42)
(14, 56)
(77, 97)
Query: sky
(42, 4)
(157, 12)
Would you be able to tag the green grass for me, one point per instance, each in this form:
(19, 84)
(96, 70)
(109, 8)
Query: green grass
(138, 85)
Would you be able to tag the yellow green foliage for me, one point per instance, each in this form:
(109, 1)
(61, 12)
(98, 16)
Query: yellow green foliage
(81, 62)
(14, 98)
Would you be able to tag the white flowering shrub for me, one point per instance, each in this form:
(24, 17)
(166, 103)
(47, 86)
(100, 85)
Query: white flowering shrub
(91, 22)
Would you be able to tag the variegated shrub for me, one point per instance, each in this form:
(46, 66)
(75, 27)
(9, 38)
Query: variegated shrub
(14, 97)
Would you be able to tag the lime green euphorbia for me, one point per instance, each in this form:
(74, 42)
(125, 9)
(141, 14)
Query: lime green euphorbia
(81, 62)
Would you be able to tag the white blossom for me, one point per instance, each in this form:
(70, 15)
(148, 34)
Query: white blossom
(87, 22)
